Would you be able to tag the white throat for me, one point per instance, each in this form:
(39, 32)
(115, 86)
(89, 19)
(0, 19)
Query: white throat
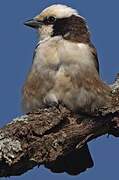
(45, 32)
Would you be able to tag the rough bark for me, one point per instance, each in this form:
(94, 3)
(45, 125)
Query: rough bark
(43, 136)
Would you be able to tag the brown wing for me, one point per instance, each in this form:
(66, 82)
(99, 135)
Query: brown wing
(94, 52)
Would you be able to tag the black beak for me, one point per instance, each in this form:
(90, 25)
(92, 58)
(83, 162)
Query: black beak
(33, 23)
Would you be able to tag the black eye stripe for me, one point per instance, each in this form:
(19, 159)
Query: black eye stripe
(49, 20)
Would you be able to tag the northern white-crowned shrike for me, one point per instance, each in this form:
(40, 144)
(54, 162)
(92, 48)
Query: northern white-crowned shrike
(65, 70)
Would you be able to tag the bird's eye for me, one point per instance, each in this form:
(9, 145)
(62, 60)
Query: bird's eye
(50, 20)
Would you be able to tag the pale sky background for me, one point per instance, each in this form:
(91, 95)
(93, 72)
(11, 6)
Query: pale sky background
(17, 44)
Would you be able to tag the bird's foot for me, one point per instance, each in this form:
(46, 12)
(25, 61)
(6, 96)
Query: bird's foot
(51, 101)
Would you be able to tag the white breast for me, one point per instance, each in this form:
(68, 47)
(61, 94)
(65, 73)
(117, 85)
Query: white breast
(55, 51)
(46, 54)
(63, 65)
(76, 53)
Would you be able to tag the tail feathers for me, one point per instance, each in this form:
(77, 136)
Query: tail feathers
(74, 163)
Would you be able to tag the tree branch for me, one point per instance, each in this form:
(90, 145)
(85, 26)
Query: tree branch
(42, 137)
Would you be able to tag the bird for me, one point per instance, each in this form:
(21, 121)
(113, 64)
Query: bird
(65, 69)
